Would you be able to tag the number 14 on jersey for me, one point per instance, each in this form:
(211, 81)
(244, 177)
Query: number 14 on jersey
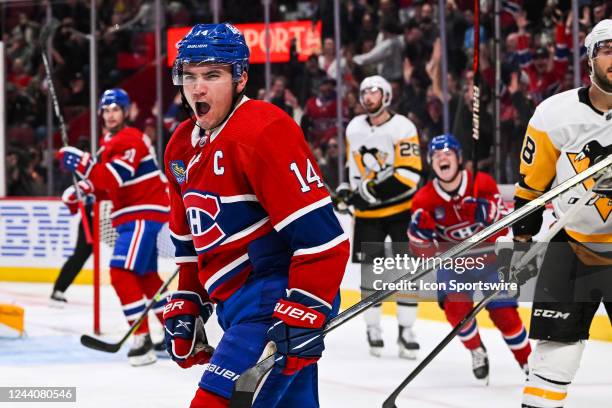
(311, 176)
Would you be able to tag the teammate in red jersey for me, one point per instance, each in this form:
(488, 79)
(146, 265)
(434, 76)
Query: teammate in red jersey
(126, 173)
(449, 209)
(254, 230)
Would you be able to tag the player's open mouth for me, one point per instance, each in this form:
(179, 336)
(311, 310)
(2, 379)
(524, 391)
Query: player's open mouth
(202, 108)
(444, 166)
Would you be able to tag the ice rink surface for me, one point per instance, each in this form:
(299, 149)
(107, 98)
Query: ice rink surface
(51, 355)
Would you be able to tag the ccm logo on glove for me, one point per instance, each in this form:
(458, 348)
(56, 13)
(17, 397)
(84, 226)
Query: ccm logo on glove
(298, 315)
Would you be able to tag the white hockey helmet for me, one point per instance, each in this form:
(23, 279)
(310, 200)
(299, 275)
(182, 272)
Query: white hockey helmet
(601, 32)
(376, 81)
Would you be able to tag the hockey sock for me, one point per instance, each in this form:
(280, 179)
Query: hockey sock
(372, 315)
(553, 366)
(130, 294)
(510, 324)
(455, 309)
(406, 314)
(206, 399)
(150, 283)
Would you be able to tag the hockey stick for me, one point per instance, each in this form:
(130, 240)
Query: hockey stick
(46, 34)
(247, 383)
(476, 93)
(522, 263)
(101, 345)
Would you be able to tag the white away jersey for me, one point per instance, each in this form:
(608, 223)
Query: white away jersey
(378, 152)
(562, 127)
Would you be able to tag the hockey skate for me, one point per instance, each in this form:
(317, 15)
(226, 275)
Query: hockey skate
(480, 364)
(58, 300)
(375, 340)
(407, 343)
(142, 351)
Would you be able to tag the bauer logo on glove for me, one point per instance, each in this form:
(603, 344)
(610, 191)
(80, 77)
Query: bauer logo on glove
(185, 338)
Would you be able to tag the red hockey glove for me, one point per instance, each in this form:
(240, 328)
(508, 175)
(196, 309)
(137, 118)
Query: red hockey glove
(297, 330)
(70, 197)
(422, 235)
(185, 339)
(75, 160)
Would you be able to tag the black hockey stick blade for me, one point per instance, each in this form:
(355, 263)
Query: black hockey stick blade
(100, 345)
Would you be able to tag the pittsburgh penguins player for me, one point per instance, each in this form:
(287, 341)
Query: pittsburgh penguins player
(384, 171)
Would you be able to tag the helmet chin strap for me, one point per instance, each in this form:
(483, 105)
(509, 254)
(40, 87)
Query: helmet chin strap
(378, 112)
(594, 78)
(594, 82)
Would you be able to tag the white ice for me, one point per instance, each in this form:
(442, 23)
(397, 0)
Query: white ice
(51, 355)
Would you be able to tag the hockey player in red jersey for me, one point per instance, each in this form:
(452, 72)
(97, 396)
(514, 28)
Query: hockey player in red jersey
(451, 208)
(126, 172)
(254, 231)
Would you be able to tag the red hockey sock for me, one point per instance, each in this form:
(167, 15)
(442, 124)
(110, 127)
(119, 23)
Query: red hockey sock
(206, 399)
(510, 324)
(131, 296)
(456, 307)
(150, 283)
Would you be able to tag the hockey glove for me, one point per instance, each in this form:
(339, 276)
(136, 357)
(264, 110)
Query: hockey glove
(422, 235)
(297, 330)
(184, 318)
(75, 160)
(481, 210)
(366, 193)
(342, 198)
(509, 253)
(70, 197)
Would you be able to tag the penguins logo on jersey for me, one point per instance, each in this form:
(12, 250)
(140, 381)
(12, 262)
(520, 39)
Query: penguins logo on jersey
(370, 161)
(583, 160)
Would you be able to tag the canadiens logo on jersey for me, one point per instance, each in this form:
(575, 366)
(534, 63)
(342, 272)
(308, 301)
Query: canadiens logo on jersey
(580, 162)
(459, 232)
(178, 170)
(202, 211)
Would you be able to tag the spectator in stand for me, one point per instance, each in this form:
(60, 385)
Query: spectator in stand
(282, 97)
(387, 54)
(28, 29)
(319, 120)
(545, 71)
(18, 75)
(329, 166)
(310, 79)
(22, 178)
(367, 32)
(517, 109)
(19, 49)
(327, 59)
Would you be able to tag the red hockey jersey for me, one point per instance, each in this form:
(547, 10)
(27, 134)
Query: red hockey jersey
(454, 223)
(126, 173)
(248, 200)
